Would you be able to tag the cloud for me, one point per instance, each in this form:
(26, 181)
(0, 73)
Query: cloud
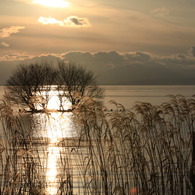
(161, 12)
(76, 21)
(113, 67)
(139, 56)
(110, 58)
(49, 20)
(136, 67)
(17, 57)
(3, 44)
(98, 60)
(105, 58)
(71, 21)
(8, 31)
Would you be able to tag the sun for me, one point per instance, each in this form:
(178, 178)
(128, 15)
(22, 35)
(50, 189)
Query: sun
(52, 3)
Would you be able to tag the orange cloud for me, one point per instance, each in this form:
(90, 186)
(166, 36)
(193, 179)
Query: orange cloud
(6, 32)
(3, 44)
(71, 21)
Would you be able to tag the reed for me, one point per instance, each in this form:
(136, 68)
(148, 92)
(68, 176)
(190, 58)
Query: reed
(145, 150)
(21, 171)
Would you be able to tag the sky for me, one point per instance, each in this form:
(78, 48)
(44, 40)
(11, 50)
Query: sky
(123, 42)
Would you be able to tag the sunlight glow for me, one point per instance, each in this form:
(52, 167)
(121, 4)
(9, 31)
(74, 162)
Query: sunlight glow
(52, 3)
(71, 21)
(54, 130)
(45, 20)
(55, 127)
(54, 103)
(53, 156)
(59, 126)
(53, 100)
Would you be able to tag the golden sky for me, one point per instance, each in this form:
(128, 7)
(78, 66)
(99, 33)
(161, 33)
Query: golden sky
(144, 39)
(35, 27)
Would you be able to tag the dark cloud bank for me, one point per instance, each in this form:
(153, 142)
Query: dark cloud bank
(133, 68)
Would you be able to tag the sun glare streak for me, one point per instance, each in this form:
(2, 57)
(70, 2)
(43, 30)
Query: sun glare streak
(58, 128)
(54, 103)
(53, 156)
(55, 127)
(52, 3)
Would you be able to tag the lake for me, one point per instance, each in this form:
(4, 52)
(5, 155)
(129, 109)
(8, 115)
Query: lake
(129, 159)
(127, 95)
(154, 94)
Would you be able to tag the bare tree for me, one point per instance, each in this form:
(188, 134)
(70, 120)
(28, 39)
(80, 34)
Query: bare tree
(28, 82)
(31, 85)
(77, 82)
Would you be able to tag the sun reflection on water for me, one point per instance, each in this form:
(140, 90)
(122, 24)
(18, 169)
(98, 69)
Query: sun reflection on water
(54, 127)
(51, 175)
(58, 127)
(56, 104)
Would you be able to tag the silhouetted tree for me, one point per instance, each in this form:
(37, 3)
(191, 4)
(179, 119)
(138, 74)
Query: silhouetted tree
(30, 85)
(76, 82)
(28, 82)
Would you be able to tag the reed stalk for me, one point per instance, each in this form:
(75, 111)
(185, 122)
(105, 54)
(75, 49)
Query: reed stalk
(145, 150)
